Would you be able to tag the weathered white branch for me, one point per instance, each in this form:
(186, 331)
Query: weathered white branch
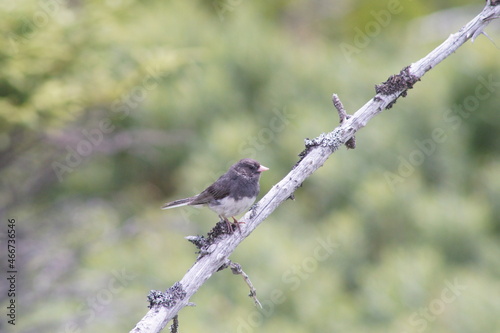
(317, 152)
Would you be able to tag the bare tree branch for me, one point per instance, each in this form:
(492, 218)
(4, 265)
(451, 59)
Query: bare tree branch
(351, 143)
(215, 254)
(237, 270)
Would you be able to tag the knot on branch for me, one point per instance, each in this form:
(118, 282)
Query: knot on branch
(168, 298)
(253, 210)
(202, 243)
(398, 83)
(333, 140)
(343, 116)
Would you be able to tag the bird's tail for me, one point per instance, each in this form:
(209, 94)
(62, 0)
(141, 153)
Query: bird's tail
(177, 203)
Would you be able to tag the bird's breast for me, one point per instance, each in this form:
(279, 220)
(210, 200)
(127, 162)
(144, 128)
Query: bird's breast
(229, 207)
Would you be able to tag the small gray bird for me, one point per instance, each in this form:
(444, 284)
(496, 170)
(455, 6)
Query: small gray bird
(232, 194)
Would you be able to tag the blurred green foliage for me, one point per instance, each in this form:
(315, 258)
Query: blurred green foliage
(110, 108)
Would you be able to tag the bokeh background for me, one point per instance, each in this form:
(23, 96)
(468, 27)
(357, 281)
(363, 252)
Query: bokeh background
(110, 108)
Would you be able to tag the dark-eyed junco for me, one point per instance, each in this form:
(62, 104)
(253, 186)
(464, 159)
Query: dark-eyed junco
(232, 194)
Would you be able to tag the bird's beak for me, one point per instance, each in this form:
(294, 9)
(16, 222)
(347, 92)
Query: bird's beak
(262, 168)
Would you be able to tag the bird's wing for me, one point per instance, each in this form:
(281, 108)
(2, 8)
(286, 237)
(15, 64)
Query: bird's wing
(216, 191)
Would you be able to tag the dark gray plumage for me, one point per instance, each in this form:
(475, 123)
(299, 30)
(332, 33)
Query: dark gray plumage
(232, 194)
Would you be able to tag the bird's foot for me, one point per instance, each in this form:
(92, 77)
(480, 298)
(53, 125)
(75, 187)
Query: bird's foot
(229, 226)
(235, 221)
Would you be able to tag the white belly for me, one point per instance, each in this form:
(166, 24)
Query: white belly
(228, 207)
